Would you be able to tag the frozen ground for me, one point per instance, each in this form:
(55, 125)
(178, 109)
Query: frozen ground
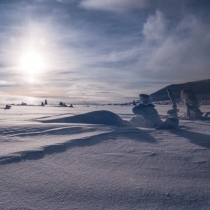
(94, 166)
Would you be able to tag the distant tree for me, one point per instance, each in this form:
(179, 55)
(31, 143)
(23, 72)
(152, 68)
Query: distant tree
(7, 107)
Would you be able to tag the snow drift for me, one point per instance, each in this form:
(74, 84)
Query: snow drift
(95, 117)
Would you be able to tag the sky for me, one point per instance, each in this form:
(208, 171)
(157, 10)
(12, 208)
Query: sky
(94, 51)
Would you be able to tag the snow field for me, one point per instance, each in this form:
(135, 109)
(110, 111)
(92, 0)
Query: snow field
(86, 166)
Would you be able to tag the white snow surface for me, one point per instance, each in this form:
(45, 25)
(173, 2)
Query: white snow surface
(47, 163)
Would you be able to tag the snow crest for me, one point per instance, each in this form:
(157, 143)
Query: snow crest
(95, 117)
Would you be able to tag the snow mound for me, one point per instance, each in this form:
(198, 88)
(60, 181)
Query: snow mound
(95, 117)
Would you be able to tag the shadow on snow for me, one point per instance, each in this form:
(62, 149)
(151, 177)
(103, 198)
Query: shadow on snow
(124, 132)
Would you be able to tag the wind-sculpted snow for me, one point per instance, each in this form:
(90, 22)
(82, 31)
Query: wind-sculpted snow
(95, 117)
(32, 141)
(24, 142)
(88, 165)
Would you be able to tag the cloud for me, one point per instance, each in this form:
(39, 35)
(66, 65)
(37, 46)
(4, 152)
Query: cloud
(6, 83)
(89, 52)
(114, 5)
(155, 27)
(178, 53)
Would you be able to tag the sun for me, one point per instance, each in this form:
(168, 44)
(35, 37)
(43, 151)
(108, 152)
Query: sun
(32, 63)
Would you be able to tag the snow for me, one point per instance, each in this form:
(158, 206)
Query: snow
(48, 163)
(94, 117)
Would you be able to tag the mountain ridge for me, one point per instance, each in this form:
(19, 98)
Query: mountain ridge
(201, 89)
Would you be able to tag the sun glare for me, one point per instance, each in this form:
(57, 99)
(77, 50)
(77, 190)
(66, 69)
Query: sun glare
(32, 63)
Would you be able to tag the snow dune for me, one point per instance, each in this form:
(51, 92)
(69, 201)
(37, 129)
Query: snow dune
(35, 141)
(59, 165)
(95, 117)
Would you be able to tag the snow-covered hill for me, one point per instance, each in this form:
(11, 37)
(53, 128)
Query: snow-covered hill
(201, 89)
